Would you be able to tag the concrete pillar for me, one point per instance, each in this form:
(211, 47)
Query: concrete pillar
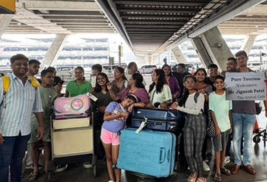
(249, 43)
(54, 50)
(179, 56)
(212, 48)
(4, 22)
(155, 59)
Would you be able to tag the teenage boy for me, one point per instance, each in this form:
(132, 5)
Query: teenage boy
(213, 72)
(96, 68)
(221, 114)
(48, 94)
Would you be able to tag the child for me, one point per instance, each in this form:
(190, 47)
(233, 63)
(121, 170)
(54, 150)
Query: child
(115, 118)
(221, 116)
(192, 103)
(48, 94)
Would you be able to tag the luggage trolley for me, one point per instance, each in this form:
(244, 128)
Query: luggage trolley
(72, 141)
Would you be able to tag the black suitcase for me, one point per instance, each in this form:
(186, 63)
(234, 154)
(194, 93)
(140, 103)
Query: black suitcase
(157, 119)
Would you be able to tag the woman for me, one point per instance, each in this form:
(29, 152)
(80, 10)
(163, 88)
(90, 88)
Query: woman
(201, 86)
(159, 91)
(205, 89)
(78, 86)
(120, 81)
(192, 103)
(135, 87)
(171, 81)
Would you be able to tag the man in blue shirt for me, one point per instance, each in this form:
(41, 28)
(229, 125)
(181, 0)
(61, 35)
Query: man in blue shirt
(17, 105)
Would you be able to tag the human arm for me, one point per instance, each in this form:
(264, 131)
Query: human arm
(217, 128)
(194, 108)
(58, 89)
(40, 118)
(38, 111)
(109, 117)
(231, 121)
(265, 105)
(139, 104)
(111, 92)
(176, 87)
(167, 95)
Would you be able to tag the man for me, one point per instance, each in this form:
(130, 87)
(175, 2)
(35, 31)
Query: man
(213, 72)
(57, 79)
(243, 123)
(48, 95)
(132, 68)
(181, 73)
(34, 66)
(96, 68)
(17, 106)
(231, 65)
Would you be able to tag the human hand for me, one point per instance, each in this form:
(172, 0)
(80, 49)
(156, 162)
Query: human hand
(163, 105)
(124, 115)
(174, 105)
(231, 130)
(109, 86)
(218, 131)
(40, 133)
(58, 88)
(1, 139)
(130, 108)
(202, 91)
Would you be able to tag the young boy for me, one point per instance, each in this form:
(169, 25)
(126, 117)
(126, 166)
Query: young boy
(221, 114)
(48, 94)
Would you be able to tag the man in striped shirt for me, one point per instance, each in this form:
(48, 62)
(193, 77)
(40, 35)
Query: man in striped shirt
(17, 105)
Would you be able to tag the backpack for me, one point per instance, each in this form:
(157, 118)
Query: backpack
(6, 85)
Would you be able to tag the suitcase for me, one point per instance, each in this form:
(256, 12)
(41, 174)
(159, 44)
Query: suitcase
(72, 107)
(148, 152)
(157, 119)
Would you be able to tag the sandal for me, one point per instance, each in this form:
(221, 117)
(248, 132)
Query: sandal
(225, 171)
(33, 176)
(217, 177)
(192, 177)
(201, 179)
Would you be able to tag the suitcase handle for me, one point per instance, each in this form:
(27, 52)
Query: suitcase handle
(162, 155)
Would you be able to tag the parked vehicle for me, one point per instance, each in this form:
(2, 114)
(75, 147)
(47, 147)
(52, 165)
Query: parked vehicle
(147, 69)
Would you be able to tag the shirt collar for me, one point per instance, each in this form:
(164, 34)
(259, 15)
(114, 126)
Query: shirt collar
(13, 76)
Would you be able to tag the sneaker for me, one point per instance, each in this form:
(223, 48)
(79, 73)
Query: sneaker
(61, 168)
(87, 165)
(227, 160)
(206, 168)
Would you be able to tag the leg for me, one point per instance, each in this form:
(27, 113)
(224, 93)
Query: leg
(6, 150)
(47, 154)
(189, 148)
(20, 147)
(35, 156)
(249, 121)
(107, 148)
(115, 155)
(222, 158)
(218, 162)
(237, 136)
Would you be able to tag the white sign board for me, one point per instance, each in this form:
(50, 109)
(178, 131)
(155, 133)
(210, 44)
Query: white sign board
(245, 86)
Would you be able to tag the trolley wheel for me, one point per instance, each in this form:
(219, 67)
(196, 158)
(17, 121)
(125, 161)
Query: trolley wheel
(95, 170)
(256, 139)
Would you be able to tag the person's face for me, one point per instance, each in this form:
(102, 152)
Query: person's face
(117, 74)
(155, 77)
(189, 83)
(242, 60)
(200, 76)
(101, 80)
(132, 69)
(20, 67)
(34, 68)
(167, 70)
(94, 72)
(219, 84)
(213, 72)
(132, 81)
(230, 65)
(79, 74)
(48, 79)
(180, 69)
(127, 102)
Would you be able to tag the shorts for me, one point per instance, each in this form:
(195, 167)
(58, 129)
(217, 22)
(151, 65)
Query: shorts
(220, 142)
(34, 133)
(108, 137)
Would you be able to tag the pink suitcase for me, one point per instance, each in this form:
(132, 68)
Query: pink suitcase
(72, 107)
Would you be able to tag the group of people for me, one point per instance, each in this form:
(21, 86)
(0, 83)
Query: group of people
(25, 112)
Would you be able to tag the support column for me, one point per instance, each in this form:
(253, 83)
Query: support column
(4, 22)
(54, 50)
(179, 56)
(155, 59)
(212, 48)
(249, 43)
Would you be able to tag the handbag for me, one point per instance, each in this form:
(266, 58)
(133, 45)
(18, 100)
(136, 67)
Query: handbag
(211, 132)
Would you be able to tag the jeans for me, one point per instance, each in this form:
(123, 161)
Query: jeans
(11, 154)
(243, 126)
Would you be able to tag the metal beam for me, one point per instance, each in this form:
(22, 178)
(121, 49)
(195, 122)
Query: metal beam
(153, 2)
(164, 16)
(158, 10)
(154, 21)
(153, 26)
